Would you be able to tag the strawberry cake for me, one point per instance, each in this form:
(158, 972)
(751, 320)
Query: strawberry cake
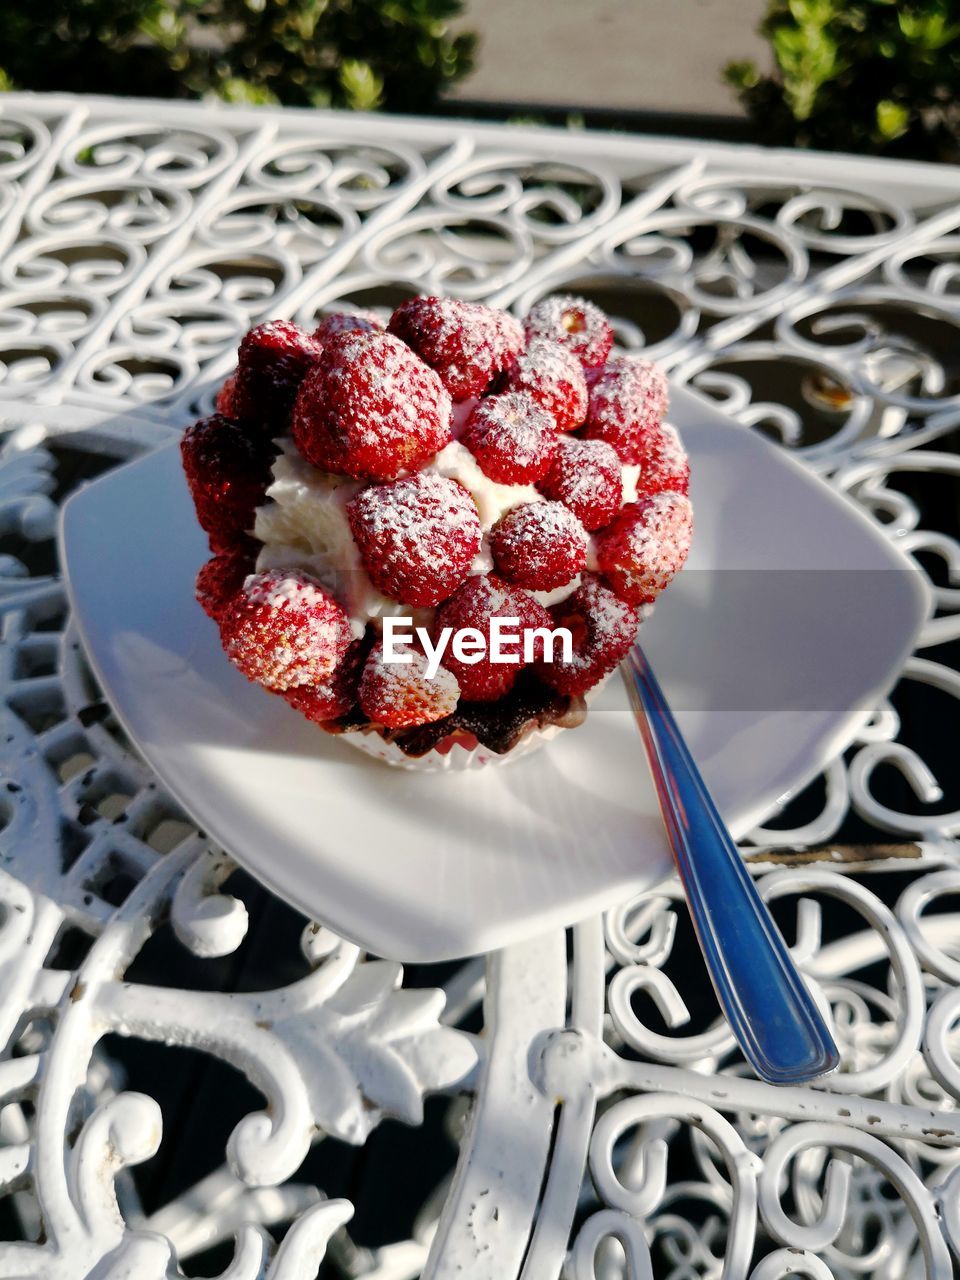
(451, 467)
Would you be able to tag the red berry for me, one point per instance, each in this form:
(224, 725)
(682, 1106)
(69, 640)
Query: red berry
(540, 545)
(285, 629)
(586, 477)
(273, 360)
(664, 465)
(646, 546)
(227, 472)
(417, 537)
(223, 402)
(553, 375)
(473, 604)
(467, 343)
(220, 579)
(511, 437)
(337, 322)
(575, 323)
(602, 627)
(627, 398)
(334, 696)
(400, 695)
(370, 409)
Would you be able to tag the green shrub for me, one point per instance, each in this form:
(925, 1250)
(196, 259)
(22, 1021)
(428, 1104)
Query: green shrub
(397, 54)
(878, 76)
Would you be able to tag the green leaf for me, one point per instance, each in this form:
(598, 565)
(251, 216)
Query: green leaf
(234, 89)
(742, 75)
(362, 86)
(893, 118)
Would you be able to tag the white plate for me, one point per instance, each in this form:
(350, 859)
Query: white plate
(771, 672)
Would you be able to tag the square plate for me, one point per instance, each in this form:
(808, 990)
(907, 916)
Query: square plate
(793, 617)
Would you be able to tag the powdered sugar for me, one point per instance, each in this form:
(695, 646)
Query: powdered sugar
(467, 343)
(370, 409)
(512, 438)
(553, 376)
(400, 695)
(646, 546)
(578, 325)
(417, 536)
(586, 476)
(628, 397)
(541, 546)
(284, 630)
(603, 627)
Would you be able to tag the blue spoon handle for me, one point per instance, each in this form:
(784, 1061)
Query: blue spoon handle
(773, 1016)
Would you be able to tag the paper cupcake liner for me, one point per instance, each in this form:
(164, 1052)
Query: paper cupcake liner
(458, 751)
(452, 754)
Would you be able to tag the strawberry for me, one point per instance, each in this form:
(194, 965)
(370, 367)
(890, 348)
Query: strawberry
(227, 470)
(370, 409)
(628, 399)
(578, 325)
(646, 546)
(272, 362)
(417, 536)
(468, 344)
(285, 629)
(512, 438)
(336, 322)
(602, 626)
(553, 376)
(539, 545)
(220, 580)
(400, 695)
(474, 603)
(586, 477)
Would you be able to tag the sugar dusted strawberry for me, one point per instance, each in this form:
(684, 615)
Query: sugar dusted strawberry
(578, 325)
(628, 397)
(220, 580)
(474, 604)
(273, 360)
(586, 476)
(512, 438)
(539, 545)
(284, 629)
(227, 471)
(553, 376)
(646, 546)
(467, 343)
(664, 465)
(417, 536)
(335, 695)
(401, 695)
(336, 322)
(602, 627)
(370, 408)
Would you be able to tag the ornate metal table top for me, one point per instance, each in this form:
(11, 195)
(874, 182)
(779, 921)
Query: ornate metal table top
(605, 1124)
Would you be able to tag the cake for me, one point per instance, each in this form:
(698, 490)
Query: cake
(453, 477)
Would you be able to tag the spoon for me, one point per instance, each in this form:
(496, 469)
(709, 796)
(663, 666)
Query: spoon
(772, 1014)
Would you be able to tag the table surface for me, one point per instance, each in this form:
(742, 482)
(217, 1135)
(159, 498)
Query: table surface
(187, 1062)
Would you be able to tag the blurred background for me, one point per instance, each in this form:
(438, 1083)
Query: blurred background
(870, 76)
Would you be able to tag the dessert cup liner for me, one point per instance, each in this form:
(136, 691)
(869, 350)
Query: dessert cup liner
(450, 754)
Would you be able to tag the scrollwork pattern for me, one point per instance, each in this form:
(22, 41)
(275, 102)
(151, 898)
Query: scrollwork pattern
(134, 251)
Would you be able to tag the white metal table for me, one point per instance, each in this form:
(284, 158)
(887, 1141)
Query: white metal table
(606, 1125)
